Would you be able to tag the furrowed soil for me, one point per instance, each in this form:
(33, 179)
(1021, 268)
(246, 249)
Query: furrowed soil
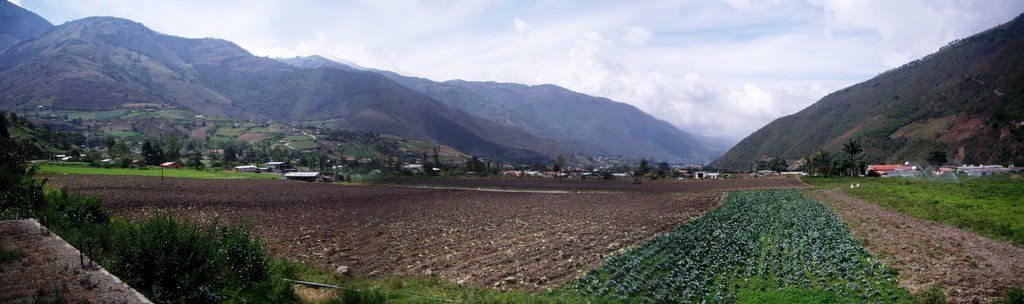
(519, 240)
(967, 267)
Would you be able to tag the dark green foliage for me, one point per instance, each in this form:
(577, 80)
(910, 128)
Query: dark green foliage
(20, 194)
(760, 241)
(775, 164)
(819, 163)
(352, 296)
(171, 262)
(195, 161)
(230, 154)
(790, 296)
(152, 153)
(171, 149)
(937, 158)
(1013, 296)
(853, 151)
(643, 168)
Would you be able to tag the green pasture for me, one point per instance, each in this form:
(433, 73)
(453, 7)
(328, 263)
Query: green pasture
(57, 169)
(992, 206)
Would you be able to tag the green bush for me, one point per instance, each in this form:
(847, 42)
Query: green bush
(165, 259)
(174, 262)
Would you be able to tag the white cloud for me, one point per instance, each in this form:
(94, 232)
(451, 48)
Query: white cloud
(747, 5)
(912, 29)
(16, 2)
(637, 36)
(521, 25)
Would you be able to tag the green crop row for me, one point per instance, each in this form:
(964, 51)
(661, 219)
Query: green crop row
(762, 241)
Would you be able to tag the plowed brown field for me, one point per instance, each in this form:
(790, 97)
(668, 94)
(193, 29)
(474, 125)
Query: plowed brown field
(522, 240)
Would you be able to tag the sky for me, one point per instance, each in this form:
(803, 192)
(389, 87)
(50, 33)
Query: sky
(722, 68)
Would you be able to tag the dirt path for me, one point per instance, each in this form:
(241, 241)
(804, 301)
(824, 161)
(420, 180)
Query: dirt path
(968, 267)
(51, 271)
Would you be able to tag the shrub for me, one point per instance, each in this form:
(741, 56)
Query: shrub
(174, 262)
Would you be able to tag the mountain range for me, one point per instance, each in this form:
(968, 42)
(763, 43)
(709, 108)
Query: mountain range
(580, 123)
(966, 100)
(102, 63)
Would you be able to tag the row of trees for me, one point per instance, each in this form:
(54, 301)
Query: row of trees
(851, 160)
(850, 163)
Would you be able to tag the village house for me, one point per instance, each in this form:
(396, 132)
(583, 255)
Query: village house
(706, 175)
(302, 176)
(279, 167)
(982, 170)
(171, 165)
(891, 170)
(252, 169)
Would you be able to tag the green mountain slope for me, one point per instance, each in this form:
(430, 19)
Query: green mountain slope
(102, 63)
(966, 100)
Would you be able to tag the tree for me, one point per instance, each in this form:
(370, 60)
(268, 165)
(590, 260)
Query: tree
(853, 151)
(230, 154)
(643, 168)
(21, 195)
(819, 163)
(196, 161)
(4, 133)
(937, 158)
(119, 150)
(171, 149)
(151, 153)
(778, 165)
(559, 162)
(109, 142)
(662, 170)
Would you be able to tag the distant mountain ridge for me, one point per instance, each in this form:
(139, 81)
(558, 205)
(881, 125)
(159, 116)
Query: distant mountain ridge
(966, 100)
(101, 63)
(17, 24)
(581, 123)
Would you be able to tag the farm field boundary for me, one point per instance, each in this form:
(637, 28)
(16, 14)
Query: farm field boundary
(53, 169)
(502, 183)
(967, 267)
